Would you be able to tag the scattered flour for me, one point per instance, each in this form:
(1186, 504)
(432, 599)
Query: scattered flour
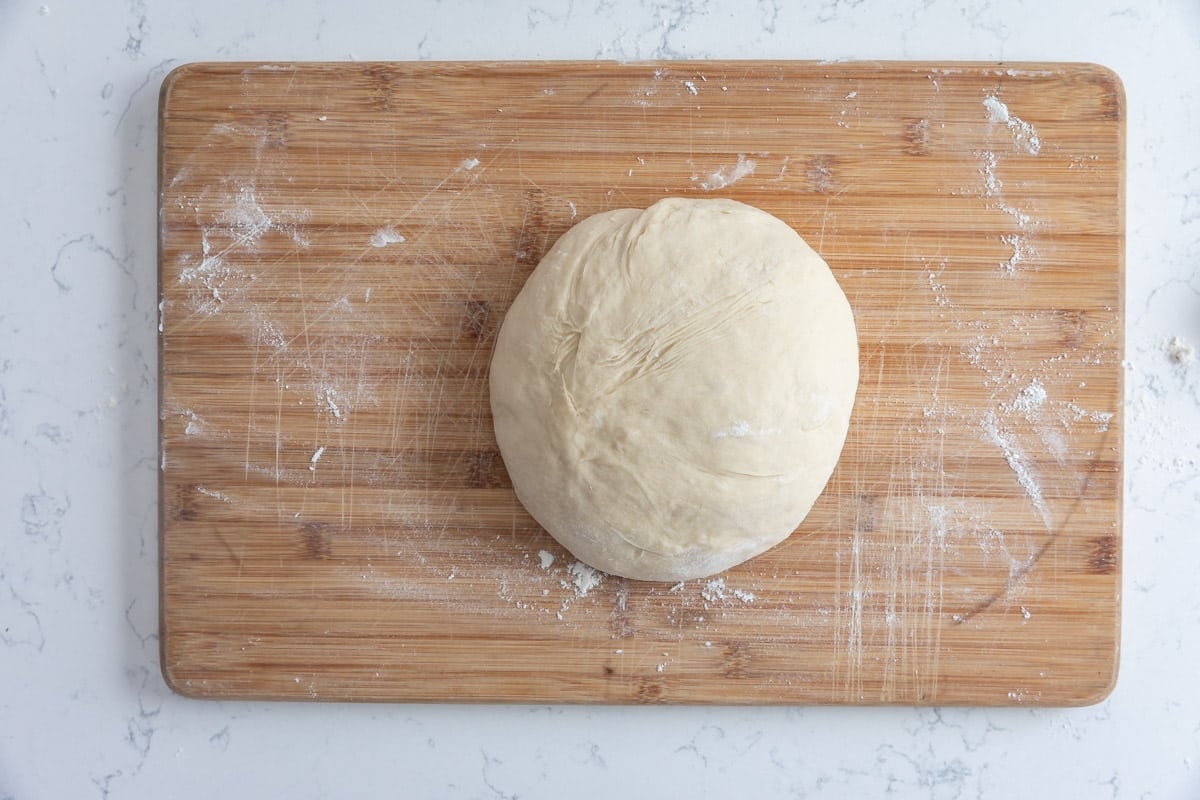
(328, 397)
(937, 287)
(744, 596)
(1179, 351)
(715, 591)
(545, 558)
(1017, 463)
(991, 183)
(1020, 251)
(726, 176)
(468, 164)
(312, 462)
(207, 280)
(584, 578)
(194, 425)
(1025, 138)
(1030, 400)
(992, 186)
(385, 236)
(224, 498)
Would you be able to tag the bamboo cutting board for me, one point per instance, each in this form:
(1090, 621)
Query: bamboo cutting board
(339, 244)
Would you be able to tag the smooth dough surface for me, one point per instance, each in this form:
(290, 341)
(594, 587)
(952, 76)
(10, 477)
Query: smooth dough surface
(672, 387)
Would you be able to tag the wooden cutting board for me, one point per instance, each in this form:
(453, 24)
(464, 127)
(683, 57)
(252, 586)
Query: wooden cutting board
(339, 243)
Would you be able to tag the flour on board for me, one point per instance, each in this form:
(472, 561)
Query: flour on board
(1025, 138)
(385, 236)
(1021, 251)
(584, 578)
(1018, 463)
(727, 175)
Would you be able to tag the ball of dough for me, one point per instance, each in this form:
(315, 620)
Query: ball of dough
(671, 388)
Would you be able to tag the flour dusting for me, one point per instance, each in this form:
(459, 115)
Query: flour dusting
(194, 425)
(715, 591)
(1030, 399)
(545, 559)
(1021, 251)
(1017, 463)
(727, 176)
(385, 236)
(224, 498)
(1025, 138)
(992, 186)
(208, 281)
(312, 462)
(239, 226)
(744, 596)
(584, 578)
(1179, 350)
(328, 397)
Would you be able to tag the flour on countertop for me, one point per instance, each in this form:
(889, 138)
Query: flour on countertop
(545, 558)
(1179, 350)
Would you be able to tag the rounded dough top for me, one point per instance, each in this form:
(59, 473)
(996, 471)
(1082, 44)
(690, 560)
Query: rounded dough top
(672, 387)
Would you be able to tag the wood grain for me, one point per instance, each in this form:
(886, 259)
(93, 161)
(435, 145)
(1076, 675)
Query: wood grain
(336, 520)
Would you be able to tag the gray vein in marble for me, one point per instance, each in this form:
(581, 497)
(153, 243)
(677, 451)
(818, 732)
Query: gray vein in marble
(13, 633)
(768, 15)
(157, 71)
(488, 764)
(220, 739)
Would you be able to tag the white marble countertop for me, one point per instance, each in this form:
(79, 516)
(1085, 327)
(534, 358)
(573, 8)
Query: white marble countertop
(85, 711)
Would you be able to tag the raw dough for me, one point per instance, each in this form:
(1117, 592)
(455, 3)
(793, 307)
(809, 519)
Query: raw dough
(672, 387)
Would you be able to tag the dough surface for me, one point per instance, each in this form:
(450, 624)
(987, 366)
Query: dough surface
(672, 387)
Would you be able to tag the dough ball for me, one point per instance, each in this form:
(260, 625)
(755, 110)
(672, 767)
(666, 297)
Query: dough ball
(672, 387)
